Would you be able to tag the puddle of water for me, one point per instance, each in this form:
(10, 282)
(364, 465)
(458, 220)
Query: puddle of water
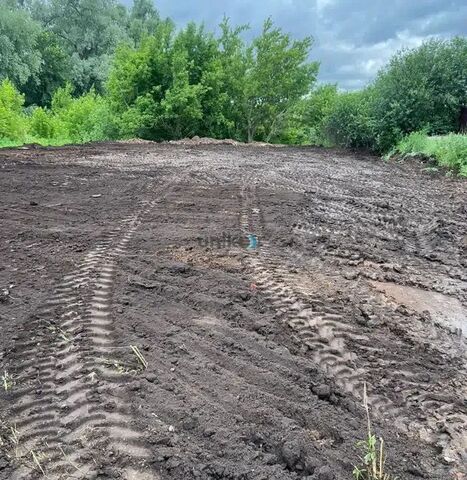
(444, 309)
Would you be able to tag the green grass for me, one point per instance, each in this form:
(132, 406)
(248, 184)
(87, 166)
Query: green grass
(45, 142)
(448, 151)
(5, 143)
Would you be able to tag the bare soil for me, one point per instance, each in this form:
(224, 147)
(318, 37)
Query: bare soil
(263, 288)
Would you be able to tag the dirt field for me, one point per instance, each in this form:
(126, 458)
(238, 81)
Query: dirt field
(263, 286)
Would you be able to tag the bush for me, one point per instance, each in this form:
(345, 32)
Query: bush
(420, 89)
(42, 124)
(13, 123)
(448, 151)
(305, 122)
(70, 120)
(350, 123)
(83, 119)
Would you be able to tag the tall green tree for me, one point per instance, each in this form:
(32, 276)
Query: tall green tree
(20, 60)
(350, 123)
(278, 75)
(180, 110)
(204, 76)
(138, 81)
(54, 70)
(224, 79)
(143, 20)
(89, 31)
(192, 83)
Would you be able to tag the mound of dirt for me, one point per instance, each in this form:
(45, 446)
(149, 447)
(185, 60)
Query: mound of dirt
(214, 141)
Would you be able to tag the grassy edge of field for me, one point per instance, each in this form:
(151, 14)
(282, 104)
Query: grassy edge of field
(445, 151)
(43, 142)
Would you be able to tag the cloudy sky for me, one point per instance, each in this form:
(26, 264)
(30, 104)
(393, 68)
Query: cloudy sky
(353, 38)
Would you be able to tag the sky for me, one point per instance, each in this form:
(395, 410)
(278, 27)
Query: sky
(353, 39)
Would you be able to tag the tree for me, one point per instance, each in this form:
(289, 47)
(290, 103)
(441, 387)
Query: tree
(305, 124)
(422, 88)
(277, 76)
(54, 70)
(225, 85)
(138, 81)
(20, 60)
(143, 21)
(318, 104)
(89, 31)
(205, 77)
(192, 83)
(180, 109)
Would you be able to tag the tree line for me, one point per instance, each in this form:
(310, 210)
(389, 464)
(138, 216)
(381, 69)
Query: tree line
(81, 70)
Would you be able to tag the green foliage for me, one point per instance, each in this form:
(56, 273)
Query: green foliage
(448, 150)
(306, 122)
(174, 85)
(83, 119)
(350, 124)
(180, 109)
(374, 456)
(277, 76)
(420, 89)
(89, 31)
(143, 21)
(98, 70)
(42, 124)
(319, 104)
(7, 143)
(373, 460)
(19, 59)
(13, 123)
(70, 120)
(224, 82)
(55, 70)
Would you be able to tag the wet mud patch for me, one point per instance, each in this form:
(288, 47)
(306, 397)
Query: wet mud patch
(445, 310)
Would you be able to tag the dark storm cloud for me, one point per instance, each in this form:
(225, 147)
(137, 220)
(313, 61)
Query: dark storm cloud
(365, 22)
(356, 38)
(353, 38)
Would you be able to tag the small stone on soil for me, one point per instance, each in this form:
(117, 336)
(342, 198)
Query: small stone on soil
(323, 391)
(325, 473)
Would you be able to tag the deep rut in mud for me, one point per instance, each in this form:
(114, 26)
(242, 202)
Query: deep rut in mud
(263, 286)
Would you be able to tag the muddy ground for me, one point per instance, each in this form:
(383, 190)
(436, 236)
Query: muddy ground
(214, 312)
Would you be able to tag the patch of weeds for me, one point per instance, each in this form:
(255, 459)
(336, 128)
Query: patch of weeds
(120, 367)
(58, 332)
(372, 465)
(10, 444)
(139, 365)
(37, 459)
(449, 151)
(7, 381)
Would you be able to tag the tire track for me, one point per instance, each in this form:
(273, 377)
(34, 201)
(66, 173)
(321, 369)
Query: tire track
(321, 326)
(61, 413)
